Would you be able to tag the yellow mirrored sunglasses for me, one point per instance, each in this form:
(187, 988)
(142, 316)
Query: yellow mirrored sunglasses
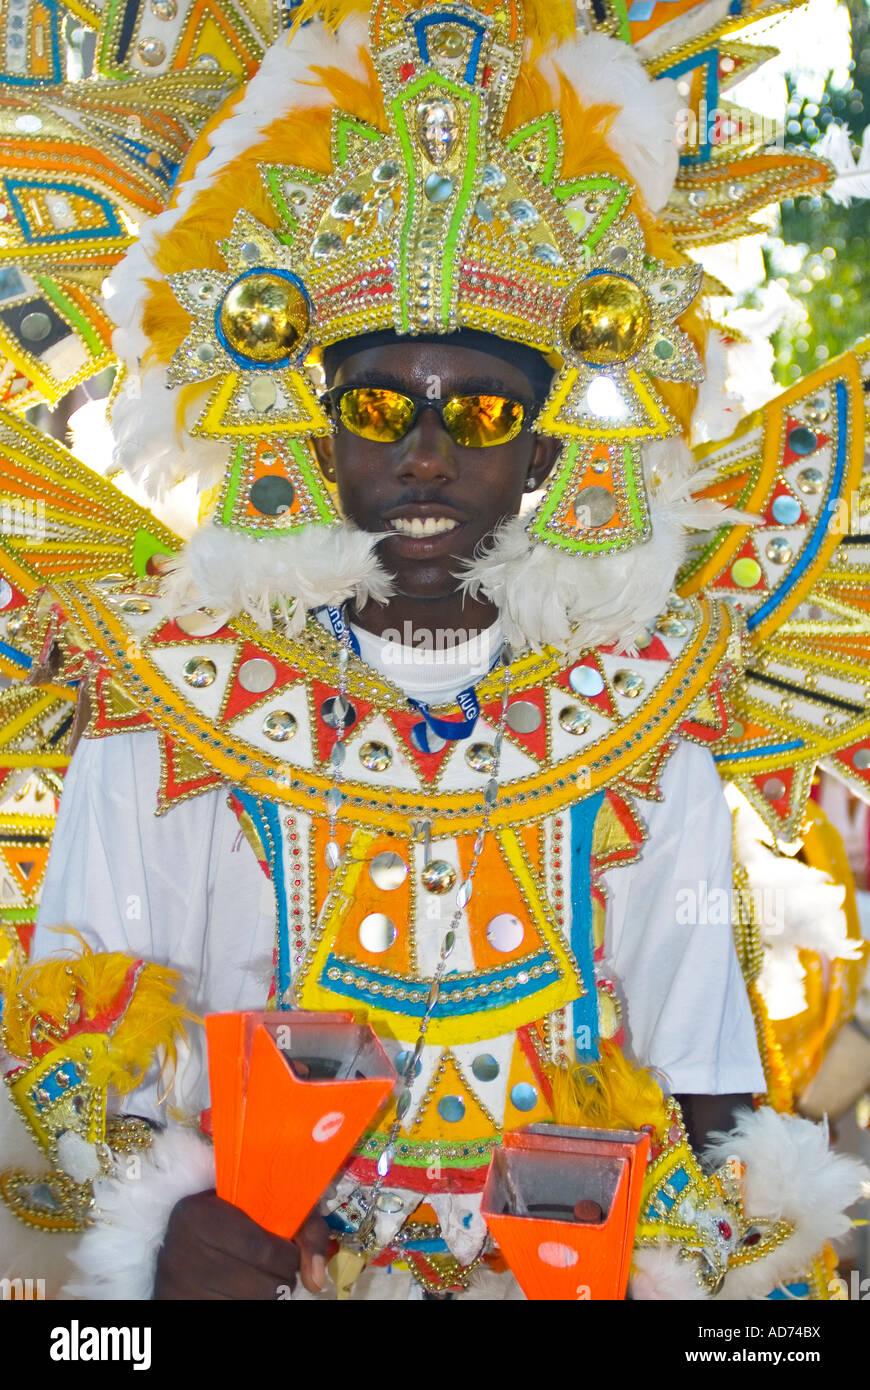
(384, 416)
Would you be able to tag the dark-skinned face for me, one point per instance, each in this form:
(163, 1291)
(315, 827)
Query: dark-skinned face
(425, 474)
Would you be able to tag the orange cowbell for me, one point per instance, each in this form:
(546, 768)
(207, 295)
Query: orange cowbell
(291, 1093)
(535, 1182)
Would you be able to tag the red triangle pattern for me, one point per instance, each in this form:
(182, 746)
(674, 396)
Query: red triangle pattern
(602, 701)
(647, 785)
(536, 741)
(240, 699)
(327, 737)
(105, 723)
(789, 456)
(174, 786)
(784, 775)
(710, 733)
(782, 491)
(620, 854)
(428, 765)
(171, 632)
(17, 600)
(845, 755)
(746, 552)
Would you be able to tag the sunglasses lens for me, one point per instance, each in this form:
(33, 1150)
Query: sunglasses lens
(377, 414)
(479, 422)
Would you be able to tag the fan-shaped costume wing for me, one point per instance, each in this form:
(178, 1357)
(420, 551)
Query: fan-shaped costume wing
(799, 575)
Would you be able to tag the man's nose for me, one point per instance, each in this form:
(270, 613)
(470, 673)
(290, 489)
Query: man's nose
(427, 452)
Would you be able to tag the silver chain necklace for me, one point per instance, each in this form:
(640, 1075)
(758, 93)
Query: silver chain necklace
(363, 1239)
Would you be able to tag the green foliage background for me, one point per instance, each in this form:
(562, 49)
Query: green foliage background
(832, 280)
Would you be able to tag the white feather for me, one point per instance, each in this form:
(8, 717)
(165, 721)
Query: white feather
(659, 1273)
(284, 82)
(791, 1175)
(149, 445)
(796, 908)
(643, 132)
(718, 411)
(233, 572)
(117, 1257)
(548, 597)
(853, 178)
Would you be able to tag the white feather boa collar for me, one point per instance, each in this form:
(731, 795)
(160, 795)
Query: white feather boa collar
(546, 597)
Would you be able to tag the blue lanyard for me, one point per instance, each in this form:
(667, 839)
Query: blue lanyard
(451, 730)
(341, 628)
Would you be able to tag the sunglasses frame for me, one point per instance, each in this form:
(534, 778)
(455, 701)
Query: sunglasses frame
(331, 399)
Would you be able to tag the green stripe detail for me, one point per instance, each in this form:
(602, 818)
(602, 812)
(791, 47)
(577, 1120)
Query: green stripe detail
(345, 126)
(549, 124)
(144, 546)
(274, 178)
(234, 482)
(553, 503)
(73, 315)
(621, 195)
(424, 1153)
(623, 28)
(311, 478)
(410, 210)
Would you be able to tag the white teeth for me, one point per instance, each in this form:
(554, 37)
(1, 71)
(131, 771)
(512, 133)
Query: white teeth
(417, 526)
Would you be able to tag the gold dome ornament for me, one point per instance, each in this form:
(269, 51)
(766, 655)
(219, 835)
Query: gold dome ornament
(264, 316)
(607, 319)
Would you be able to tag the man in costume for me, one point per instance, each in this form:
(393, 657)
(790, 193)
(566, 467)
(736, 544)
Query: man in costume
(419, 277)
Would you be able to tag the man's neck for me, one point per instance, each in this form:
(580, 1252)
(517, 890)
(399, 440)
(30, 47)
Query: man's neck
(442, 617)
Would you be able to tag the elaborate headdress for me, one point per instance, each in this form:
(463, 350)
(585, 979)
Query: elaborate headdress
(467, 167)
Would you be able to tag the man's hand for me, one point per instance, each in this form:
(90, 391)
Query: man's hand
(213, 1250)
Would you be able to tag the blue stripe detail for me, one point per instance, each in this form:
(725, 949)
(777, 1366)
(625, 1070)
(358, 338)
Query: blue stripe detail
(788, 1292)
(111, 227)
(16, 35)
(678, 1182)
(444, 1007)
(820, 530)
(13, 654)
(425, 23)
(709, 59)
(584, 1010)
(760, 752)
(266, 818)
(52, 1086)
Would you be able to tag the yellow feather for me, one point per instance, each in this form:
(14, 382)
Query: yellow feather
(332, 12)
(71, 993)
(609, 1094)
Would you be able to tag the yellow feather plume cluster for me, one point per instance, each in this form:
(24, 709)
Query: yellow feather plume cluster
(609, 1094)
(58, 995)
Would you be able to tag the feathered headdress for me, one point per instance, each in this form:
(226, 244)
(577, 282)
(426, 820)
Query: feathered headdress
(458, 166)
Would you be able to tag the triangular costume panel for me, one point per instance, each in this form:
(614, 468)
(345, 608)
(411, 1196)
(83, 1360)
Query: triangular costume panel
(529, 938)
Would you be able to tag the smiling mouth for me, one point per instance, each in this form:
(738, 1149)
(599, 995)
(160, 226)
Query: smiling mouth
(418, 526)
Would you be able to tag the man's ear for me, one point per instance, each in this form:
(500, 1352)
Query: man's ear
(323, 450)
(544, 456)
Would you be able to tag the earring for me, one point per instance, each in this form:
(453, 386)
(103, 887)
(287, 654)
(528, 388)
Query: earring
(530, 485)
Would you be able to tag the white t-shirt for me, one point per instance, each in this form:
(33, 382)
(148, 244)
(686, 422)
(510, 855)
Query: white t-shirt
(185, 890)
